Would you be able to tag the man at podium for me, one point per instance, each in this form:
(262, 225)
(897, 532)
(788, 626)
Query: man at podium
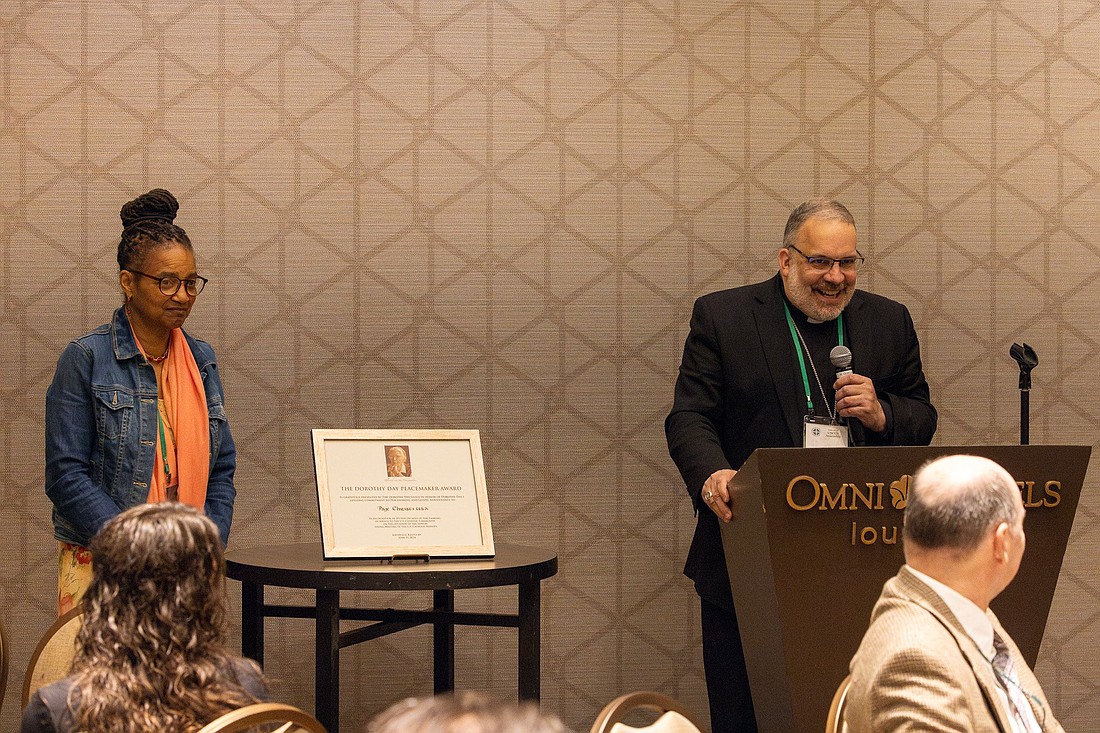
(935, 657)
(756, 373)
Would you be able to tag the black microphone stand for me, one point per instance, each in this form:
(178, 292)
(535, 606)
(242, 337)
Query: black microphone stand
(1027, 359)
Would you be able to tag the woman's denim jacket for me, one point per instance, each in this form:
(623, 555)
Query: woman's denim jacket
(101, 432)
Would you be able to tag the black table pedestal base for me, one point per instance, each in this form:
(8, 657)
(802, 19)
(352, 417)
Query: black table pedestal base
(301, 566)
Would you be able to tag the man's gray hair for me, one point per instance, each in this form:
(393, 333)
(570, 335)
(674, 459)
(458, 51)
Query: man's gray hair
(816, 208)
(464, 712)
(955, 500)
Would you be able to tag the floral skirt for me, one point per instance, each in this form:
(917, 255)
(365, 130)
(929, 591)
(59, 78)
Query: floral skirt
(74, 573)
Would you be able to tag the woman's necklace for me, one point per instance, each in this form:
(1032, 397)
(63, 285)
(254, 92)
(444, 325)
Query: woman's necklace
(162, 357)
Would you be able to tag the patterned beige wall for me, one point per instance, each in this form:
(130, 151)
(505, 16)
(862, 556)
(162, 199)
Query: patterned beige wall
(495, 214)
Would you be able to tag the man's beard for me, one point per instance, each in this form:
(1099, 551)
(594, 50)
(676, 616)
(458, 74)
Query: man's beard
(802, 297)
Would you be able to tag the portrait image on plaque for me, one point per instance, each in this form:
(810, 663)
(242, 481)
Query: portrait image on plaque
(397, 461)
(374, 504)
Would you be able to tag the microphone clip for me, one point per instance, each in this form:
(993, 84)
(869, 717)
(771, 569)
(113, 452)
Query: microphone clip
(1026, 357)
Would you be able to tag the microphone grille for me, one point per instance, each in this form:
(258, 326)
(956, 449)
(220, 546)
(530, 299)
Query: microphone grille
(841, 357)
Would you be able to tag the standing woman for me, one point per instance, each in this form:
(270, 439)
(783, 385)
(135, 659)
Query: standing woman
(135, 412)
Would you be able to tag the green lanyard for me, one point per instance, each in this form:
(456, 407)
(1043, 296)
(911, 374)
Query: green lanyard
(802, 359)
(164, 448)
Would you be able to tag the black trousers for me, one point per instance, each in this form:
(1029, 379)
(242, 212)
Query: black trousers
(727, 679)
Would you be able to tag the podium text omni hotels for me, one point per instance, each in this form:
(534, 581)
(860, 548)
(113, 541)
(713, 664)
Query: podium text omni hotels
(805, 493)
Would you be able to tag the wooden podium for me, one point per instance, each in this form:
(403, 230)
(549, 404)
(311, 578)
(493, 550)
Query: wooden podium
(816, 533)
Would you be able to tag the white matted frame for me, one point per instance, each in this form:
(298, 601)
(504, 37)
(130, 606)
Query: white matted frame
(402, 494)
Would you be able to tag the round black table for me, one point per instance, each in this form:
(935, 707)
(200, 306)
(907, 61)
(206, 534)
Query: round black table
(303, 566)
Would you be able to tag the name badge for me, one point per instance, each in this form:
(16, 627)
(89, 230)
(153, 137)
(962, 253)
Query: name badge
(821, 432)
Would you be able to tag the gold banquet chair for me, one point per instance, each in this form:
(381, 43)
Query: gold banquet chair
(835, 722)
(54, 654)
(673, 716)
(292, 719)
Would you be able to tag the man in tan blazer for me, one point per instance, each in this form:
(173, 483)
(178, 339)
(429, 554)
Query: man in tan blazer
(935, 658)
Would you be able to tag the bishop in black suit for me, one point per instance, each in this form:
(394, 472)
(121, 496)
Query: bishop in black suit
(741, 387)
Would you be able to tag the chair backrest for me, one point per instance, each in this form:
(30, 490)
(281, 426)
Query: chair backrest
(54, 654)
(242, 719)
(3, 664)
(674, 717)
(835, 722)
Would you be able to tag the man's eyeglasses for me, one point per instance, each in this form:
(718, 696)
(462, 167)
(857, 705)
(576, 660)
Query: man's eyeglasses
(171, 285)
(824, 264)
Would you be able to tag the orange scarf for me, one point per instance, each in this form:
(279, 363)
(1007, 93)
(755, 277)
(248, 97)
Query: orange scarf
(190, 420)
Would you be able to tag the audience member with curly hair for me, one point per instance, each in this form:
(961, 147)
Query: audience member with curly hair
(151, 655)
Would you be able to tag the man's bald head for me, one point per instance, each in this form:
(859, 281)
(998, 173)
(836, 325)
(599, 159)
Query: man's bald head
(956, 500)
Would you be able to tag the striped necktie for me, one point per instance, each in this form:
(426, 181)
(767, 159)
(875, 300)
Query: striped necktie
(1006, 673)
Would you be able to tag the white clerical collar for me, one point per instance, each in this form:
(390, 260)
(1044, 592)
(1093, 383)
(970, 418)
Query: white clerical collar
(973, 619)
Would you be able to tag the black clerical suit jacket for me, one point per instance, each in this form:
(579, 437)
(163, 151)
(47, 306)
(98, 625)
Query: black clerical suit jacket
(739, 389)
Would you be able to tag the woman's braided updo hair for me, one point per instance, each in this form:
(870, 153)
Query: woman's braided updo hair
(146, 225)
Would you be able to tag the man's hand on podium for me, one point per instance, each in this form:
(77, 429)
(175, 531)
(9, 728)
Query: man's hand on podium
(716, 493)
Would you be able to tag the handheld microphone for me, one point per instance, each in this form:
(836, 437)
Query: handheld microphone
(841, 357)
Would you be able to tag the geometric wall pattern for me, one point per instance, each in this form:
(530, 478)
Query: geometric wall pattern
(496, 214)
